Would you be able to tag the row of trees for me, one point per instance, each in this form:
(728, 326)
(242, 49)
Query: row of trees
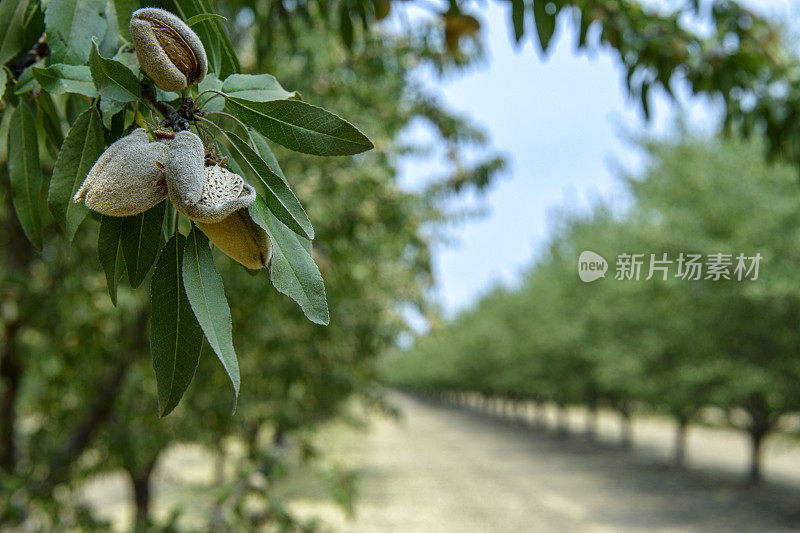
(671, 345)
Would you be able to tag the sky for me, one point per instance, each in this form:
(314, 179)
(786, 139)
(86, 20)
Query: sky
(563, 122)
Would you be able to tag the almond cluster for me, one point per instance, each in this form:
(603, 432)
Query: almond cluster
(134, 174)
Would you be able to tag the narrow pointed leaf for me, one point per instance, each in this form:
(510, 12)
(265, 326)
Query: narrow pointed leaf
(301, 127)
(123, 10)
(210, 101)
(25, 171)
(70, 25)
(292, 269)
(255, 88)
(518, 18)
(82, 147)
(204, 16)
(61, 78)
(207, 296)
(221, 56)
(109, 252)
(141, 239)
(175, 334)
(280, 198)
(112, 79)
(48, 118)
(12, 28)
(26, 83)
(110, 43)
(545, 22)
(263, 149)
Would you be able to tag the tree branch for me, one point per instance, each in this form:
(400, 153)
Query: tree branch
(39, 51)
(177, 119)
(108, 389)
(18, 255)
(11, 376)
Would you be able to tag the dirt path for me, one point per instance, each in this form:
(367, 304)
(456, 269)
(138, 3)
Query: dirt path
(443, 469)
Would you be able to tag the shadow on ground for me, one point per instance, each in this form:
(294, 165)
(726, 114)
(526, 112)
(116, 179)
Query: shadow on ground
(444, 468)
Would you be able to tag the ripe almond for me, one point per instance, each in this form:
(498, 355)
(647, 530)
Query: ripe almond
(127, 179)
(168, 50)
(240, 238)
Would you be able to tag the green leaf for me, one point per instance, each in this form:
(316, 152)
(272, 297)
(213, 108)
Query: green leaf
(25, 171)
(207, 296)
(255, 88)
(75, 105)
(123, 10)
(263, 149)
(49, 120)
(518, 18)
(280, 198)
(61, 78)
(301, 127)
(292, 269)
(204, 16)
(166, 96)
(221, 55)
(109, 252)
(215, 102)
(109, 108)
(141, 238)
(26, 83)
(70, 26)
(112, 79)
(544, 13)
(12, 28)
(82, 147)
(110, 43)
(345, 25)
(175, 336)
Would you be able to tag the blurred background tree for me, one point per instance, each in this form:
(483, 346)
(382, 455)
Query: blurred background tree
(670, 345)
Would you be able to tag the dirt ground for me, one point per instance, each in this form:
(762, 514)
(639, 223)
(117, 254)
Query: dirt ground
(445, 469)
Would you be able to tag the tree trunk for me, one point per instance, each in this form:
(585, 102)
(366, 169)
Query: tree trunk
(17, 253)
(756, 441)
(540, 417)
(591, 422)
(680, 440)
(562, 424)
(10, 375)
(521, 412)
(141, 493)
(626, 429)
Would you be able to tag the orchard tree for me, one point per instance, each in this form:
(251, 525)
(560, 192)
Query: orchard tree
(159, 110)
(371, 244)
(714, 196)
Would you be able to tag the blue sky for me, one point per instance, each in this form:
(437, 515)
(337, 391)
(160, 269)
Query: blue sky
(562, 121)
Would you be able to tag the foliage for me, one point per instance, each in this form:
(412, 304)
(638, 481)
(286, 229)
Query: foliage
(717, 48)
(78, 370)
(116, 89)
